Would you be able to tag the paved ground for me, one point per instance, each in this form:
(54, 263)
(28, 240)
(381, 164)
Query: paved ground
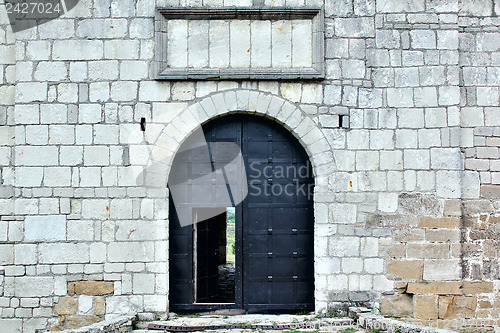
(312, 323)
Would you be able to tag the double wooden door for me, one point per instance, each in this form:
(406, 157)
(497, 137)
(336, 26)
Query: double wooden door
(274, 224)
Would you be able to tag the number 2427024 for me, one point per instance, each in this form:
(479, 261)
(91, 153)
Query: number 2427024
(33, 8)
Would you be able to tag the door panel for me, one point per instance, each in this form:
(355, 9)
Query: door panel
(180, 261)
(274, 227)
(278, 225)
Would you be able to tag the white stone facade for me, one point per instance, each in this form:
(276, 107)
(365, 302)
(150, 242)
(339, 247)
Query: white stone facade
(403, 134)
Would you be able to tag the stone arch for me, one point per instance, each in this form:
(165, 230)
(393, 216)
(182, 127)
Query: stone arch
(295, 120)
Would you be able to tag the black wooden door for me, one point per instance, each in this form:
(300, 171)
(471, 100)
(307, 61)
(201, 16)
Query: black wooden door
(278, 220)
(274, 224)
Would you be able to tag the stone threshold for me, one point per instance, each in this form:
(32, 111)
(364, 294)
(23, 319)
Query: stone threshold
(360, 320)
(308, 323)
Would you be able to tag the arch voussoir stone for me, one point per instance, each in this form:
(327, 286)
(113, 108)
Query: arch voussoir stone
(248, 101)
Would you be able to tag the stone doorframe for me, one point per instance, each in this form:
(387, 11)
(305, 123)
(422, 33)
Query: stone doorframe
(295, 120)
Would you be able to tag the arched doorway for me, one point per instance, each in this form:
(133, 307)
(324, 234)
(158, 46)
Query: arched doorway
(273, 227)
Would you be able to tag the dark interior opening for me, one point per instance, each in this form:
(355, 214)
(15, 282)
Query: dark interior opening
(215, 259)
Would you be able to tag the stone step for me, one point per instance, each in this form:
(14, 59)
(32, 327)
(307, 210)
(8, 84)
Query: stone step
(317, 324)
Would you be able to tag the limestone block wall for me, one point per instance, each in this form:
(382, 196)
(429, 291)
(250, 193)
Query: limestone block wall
(7, 101)
(431, 255)
(402, 134)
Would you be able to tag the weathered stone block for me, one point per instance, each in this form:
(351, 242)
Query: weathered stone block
(102, 28)
(405, 235)
(449, 95)
(423, 39)
(448, 185)
(124, 304)
(435, 288)
(91, 288)
(355, 27)
(477, 8)
(446, 222)
(490, 191)
(99, 306)
(95, 209)
(343, 213)
(426, 97)
(428, 251)
(447, 39)
(353, 69)
(51, 71)
(6, 254)
(66, 306)
(155, 303)
(63, 253)
(442, 235)
(76, 321)
(418, 204)
(124, 91)
(388, 39)
(131, 251)
(487, 96)
(121, 49)
(400, 97)
(31, 92)
(390, 6)
(154, 91)
(447, 158)
(457, 307)
(57, 29)
(476, 287)
(406, 269)
(397, 306)
(96, 155)
(89, 113)
(25, 254)
(77, 50)
(426, 306)
(442, 270)
(344, 246)
(452, 208)
(143, 283)
(11, 325)
(388, 202)
(34, 286)
(442, 5)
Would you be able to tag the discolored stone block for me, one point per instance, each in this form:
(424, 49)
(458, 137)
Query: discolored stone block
(428, 251)
(73, 322)
(457, 307)
(92, 288)
(99, 306)
(67, 306)
(480, 287)
(452, 208)
(418, 204)
(445, 222)
(490, 191)
(435, 288)
(426, 306)
(398, 306)
(406, 269)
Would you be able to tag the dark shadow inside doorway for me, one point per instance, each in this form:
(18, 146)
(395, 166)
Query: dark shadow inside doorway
(215, 258)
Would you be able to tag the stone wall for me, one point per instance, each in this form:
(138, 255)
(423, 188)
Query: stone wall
(402, 134)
